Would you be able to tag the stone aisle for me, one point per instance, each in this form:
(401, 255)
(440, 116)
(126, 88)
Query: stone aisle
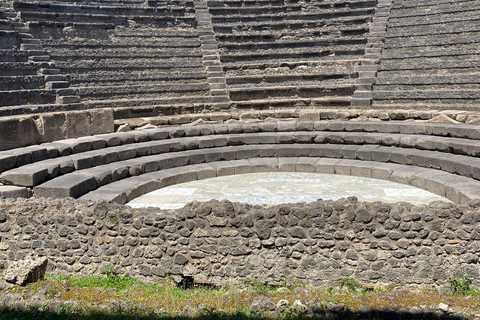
(367, 70)
(211, 57)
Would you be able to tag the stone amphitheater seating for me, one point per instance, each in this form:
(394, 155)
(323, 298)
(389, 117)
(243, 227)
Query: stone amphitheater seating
(72, 77)
(278, 53)
(436, 157)
(430, 56)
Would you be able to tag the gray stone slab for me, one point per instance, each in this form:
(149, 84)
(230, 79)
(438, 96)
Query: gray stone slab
(287, 164)
(72, 185)
(26, 176)
(263, 164)
(14, 192)
(305, 164)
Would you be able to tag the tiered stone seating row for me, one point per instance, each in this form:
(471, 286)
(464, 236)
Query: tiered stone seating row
(430, 56)
(27, 75)
(282, 53)
(122, 52)
(445, 154)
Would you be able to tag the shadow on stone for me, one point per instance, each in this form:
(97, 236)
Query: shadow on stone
(65, 314)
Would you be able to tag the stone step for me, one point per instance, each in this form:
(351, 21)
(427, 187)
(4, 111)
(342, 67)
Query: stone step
(289, 25)
(293, 102)
(83, 181)
(67, 8)
(459, 189)
(292, 64)
(108, 91)
(135, 77)
(288, 53)
(21, 82)
(107, 18)
(320, 42)
(427, 95)
(429, 136)
(318, 33)
(300, 79)
(246, 94)
(318, 14)
(145, 101)
(27, 96)
(19, 68)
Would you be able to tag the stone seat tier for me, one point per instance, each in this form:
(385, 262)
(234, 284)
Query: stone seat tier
(430, 63)
(287, 81)
(21, 68)
(60, 8)
(300, 43)
(125, 43)
(284, 8)
(467, 51)
(422, 3)
(265, 36)
(241, 3)
(179, 64)
(437, 9)
(459, 189)
(22, 82)
(154, 3)
(435, 19)
(286, 76)
(255, 93)
(27, 96)
(110, 78)
(9, 39)
(82, 181)
(448, 28)
(125, 91)
(304, 16)
(183, 33)
(296, 102)
(473, 95)
(244, 6)
(457, 81)
(289, 24)
(22, 156)
(432, 40)
(112, 53)
(152, 101)
(288, 53)
(328, 66)
(6, 24)
(117, 19)
(31, 108)
(448, 154)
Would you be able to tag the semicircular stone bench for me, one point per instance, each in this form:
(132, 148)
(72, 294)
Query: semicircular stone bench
(75, 167)
(458, 189)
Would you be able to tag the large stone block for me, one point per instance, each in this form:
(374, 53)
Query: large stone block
(101, 121)
(72, 185)
(77, 124)
(17, 132)
(53, 127)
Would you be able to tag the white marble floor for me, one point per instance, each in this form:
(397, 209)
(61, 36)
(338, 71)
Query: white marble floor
(282, 187)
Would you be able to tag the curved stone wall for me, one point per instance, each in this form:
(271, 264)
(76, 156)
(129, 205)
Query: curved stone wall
(315, 243)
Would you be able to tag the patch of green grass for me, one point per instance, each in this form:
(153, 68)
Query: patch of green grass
(351, 284)
(110, 280)
(261, 288)
(462, 286)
